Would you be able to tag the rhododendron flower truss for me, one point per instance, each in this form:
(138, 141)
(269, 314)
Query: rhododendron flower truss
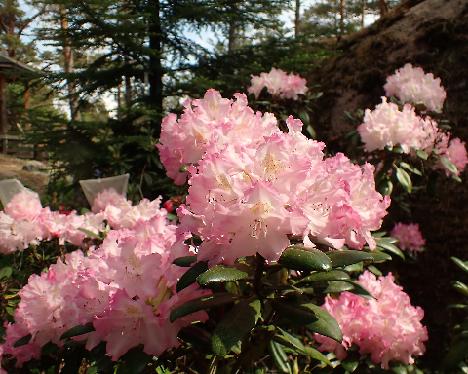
(250, 199)
(411, 85)
(409, 237)
(125, 289)
(278, 83)
(388, 328)
(210, 124)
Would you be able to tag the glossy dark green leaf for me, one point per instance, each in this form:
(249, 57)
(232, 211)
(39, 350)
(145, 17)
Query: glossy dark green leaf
(300, 258)
(6, 272)
(461, 287)
(374, 270)
(191, 275)
(449, 165)
(324, 276)
(360, 290)
(202, 303)
(295, 313)
(134, 362)
(338, 286)
(185, 261)
(279, 357)
(379, 256)
(421, 154)
(296, 345)
(392, 248)
(77, 330)
(235, 326)
(22, 341)
(404, 179)
(324, 324)
(350, 365)
(221, 273)
(461, 264)
(348, 257)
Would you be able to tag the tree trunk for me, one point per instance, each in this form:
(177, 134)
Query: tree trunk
(68, 66)
(297, 18)
(155, 76)
(232, 35)
(383, 7)
(342, 16)
(363, 12)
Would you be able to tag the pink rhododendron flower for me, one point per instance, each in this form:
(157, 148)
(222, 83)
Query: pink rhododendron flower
(411, 85)
(209, 123)
(109, 197)
(388, 328)
(387, 126)
(251, 199)
(456, 153)
(409, 236)
(24, 206)
(278, 83)
(125, 287)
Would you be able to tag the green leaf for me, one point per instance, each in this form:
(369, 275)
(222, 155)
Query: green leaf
(89, 233)
(202, 303)
(300, 258)
(297, 314)
(235, 326)
(304, 117)
(296, 345)
(6, 272)
(374, 270)
(404, 178)
(324, 324)
(185, 261)
(461, 287)
(449, 165)
(461, 264)
(22, 341)
(348, 257)
(391, 248)
(338, 286)
(77, 330)
(324, 276)
(191, 275)
(279, 357)
(380, 256)
(386, 187)
(221, 273)
(421, 154)
(350, 365)
(134, 361)
(359, 290)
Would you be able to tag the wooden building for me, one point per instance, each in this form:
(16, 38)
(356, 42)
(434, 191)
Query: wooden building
(11, 70)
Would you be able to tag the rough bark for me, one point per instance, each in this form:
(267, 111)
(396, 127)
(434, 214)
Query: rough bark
(68, 66)
(432, 34)
(297, 18)
(155, 65)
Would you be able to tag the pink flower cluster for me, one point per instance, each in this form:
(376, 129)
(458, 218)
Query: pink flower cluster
(25, 222)
(252, 193)
(125, 288)
(210, 123)
(456, 154)
(411, 85)
(278, 83)
(388, 328)
(389, 126)
(409, 236)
